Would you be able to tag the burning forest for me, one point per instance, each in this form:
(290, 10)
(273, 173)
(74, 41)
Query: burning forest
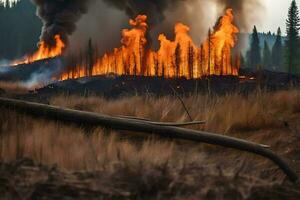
(139, 99)
(44, 52)
(178, 58)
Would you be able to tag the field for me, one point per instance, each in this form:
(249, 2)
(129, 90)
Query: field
(53, 159)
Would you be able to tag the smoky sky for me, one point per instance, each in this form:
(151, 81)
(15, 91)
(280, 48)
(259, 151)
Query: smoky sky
(245, 10)
(155, 9)
(152, 8)
(102, 20)
(59, 17)
(106, 18)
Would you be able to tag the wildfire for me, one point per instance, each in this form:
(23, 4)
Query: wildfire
(44, 52)
(178, 58)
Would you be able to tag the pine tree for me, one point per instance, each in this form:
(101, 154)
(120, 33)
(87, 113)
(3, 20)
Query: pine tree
(277, 52)
(242, 61)
(163, 70)
(134, 65)
(266, 56)
(255, 56)
(141, 69)
(202, 59)
(90, 58)
(292, 42)
(156, 65)
(209, 51)
(177, 60)
(191, 60)
(248, 63)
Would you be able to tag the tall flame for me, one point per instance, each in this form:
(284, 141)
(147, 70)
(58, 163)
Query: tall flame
(44, 52)
(178, 58)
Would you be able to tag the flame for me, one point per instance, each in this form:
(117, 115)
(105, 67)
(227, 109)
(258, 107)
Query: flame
(44, 52)
(178, 58)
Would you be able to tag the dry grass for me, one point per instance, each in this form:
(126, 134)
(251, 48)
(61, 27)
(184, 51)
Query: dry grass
(224, 114)
(261, 117)
(69, 147)
(13, 88)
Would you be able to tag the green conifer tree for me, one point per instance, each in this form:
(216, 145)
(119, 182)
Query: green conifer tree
(255, 51)
(277, 52)
(266, 56)
(292, 42)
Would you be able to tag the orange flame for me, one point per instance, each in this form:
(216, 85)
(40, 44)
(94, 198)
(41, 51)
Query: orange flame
(44, 52)
(178, 58)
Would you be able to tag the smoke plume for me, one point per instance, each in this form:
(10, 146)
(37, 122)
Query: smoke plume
(59, 17)
(103, 24)
(62, 17)
(198, 14)
(156, 9)
(245, 11)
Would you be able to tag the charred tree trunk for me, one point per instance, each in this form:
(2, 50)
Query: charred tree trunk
(134, 65)
(90, 58)
(202, 59)
(156, 66)
(209, 51)
(191, 61)
(177, 60)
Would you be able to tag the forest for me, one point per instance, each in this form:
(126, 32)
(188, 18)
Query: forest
(267, 51)
(218, 120)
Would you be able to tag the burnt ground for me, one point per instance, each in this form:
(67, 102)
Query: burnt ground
(25, 179)
(111, 86)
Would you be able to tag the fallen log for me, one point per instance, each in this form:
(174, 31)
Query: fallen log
(179, 124)
(92, 119)
(133, 117)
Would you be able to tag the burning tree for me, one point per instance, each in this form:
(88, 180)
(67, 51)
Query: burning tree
(44, 51)
(178, 58)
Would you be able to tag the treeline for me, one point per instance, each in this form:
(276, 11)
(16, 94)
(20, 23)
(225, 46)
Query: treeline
(19, 30)
(284, 54)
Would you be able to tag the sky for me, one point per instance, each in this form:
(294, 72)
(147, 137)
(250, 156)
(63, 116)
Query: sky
(275, 15)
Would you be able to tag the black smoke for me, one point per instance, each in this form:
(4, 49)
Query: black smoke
(59, 17)
(155, 9)
(152, 8)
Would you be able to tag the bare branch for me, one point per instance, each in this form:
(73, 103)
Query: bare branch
(182, 102)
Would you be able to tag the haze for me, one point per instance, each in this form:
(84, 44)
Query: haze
(275, 15)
